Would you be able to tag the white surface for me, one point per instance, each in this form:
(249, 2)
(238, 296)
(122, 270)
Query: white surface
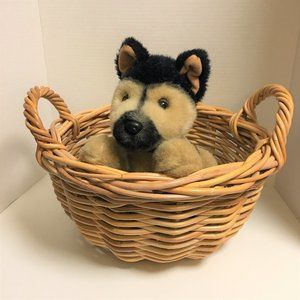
(287, 181)
(22, 66)
(44, 257)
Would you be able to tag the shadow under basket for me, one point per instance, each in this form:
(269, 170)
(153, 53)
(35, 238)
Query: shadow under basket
(150, 216)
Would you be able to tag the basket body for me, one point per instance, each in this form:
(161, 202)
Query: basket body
(163, 231)
(149, 216)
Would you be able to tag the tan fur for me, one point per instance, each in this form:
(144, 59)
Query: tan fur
(178, 118)
(104, 150)
(119, 107)
(140, 161)
(175, 156)
(207, 158)
(163, 119)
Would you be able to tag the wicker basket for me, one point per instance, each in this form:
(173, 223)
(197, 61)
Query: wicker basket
(150, 216)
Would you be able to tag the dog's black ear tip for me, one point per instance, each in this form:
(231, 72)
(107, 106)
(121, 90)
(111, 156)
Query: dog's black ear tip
(129, 40)
(201, 53)
(136, 45)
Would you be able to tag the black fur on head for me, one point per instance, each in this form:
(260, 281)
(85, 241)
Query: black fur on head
(150, 69)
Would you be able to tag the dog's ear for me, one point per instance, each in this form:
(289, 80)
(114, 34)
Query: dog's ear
(194, 65)
(130, 53)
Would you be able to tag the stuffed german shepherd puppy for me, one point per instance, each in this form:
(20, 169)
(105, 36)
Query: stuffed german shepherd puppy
(153, 108)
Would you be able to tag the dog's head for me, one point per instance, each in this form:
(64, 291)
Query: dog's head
(155, 99)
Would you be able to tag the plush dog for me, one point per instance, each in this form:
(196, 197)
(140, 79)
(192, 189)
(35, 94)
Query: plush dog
(153, 108)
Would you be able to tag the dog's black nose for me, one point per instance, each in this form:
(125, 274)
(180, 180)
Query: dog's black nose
(133, 127)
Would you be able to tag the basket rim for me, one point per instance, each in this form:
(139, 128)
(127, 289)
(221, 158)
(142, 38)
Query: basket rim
(229, 178)
(202, 182)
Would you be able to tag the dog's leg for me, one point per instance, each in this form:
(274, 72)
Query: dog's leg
(207, 157)
(104, 150)
(176, 158)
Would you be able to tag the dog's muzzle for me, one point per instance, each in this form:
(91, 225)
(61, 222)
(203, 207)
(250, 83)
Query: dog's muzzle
(135, 131)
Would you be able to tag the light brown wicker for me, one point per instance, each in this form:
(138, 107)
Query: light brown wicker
(150, 216)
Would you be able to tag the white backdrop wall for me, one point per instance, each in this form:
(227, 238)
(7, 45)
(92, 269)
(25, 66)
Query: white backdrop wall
(22, 66)
(250, 42)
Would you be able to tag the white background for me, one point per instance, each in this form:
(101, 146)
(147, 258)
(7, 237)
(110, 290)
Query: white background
(71, 45)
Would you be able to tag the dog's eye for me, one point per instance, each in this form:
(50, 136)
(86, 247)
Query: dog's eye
(164, 103)
(125, 97)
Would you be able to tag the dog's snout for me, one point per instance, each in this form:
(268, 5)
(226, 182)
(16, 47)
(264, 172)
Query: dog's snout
(133, 127)
(135, 131)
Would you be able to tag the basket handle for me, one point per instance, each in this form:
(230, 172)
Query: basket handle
(33, 122)
(277, 140)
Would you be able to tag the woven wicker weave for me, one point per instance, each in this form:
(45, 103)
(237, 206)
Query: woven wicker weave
(150, 216)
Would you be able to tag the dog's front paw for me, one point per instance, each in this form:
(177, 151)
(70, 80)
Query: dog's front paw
(104, 150)
(176, 158)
